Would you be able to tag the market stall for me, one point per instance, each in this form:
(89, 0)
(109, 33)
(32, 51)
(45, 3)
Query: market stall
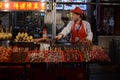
(22, 50)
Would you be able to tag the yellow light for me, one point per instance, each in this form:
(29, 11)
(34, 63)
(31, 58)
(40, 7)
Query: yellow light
(1, 5)
(6, 5)
(43, 6)
(35, 5)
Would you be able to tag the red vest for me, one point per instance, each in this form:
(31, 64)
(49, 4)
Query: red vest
(81, 32)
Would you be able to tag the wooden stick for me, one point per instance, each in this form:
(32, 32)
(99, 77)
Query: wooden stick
(2, 30)
(6, 29)
(10, 29)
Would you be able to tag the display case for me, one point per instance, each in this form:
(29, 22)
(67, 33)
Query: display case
(25, 23)
(21, 50)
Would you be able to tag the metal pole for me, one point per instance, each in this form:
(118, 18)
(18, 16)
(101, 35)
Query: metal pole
(54, 19)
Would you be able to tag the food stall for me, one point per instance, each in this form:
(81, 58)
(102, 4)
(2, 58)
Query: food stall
(19, 48)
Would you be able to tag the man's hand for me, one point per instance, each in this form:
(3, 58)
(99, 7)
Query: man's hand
(41, 40)
(58, 37)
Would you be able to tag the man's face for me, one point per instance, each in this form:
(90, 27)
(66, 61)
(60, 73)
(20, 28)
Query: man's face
(75, 17)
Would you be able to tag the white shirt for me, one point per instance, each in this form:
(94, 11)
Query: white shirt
(87, 28)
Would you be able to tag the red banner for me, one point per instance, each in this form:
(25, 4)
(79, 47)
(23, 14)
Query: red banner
(23, 6)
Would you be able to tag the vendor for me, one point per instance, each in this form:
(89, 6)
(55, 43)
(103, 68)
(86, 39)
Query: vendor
(79, 29)
(44, 37)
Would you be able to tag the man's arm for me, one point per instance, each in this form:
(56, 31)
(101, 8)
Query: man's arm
(67, 29)
(89, 32)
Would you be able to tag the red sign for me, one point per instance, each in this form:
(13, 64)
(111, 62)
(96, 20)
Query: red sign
(23, 6)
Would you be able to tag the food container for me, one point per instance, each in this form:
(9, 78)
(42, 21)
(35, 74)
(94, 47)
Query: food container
(5, 43)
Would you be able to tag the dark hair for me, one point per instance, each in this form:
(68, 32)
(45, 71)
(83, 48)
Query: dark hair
(81, 16)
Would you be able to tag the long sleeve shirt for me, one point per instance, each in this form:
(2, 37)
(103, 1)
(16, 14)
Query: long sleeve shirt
(87, 28)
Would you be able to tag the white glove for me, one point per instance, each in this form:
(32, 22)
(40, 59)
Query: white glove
(58, 37)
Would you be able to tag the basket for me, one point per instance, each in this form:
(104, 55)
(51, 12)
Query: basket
(73, 56)
(54, 56)
(35, 56)
(18, 57)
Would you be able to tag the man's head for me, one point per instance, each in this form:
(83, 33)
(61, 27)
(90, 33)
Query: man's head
(76, 13)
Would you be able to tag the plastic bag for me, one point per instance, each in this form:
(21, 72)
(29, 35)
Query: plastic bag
(48, 19)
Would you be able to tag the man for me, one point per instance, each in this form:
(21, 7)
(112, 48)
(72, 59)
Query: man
(78, 28)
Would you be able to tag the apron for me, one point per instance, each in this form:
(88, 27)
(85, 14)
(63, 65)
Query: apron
(78, 34)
